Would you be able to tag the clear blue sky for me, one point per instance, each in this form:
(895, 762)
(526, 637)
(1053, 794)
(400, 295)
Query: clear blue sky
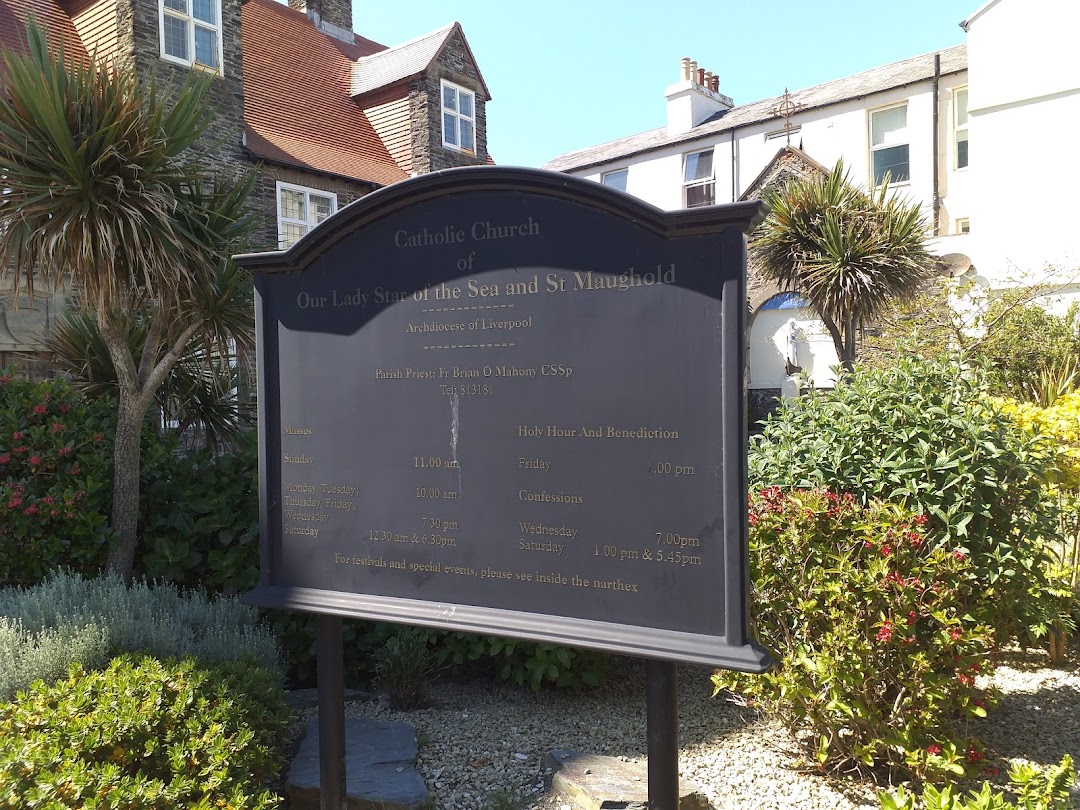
(567, 74)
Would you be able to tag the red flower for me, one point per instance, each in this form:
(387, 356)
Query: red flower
(47, 499)
(98, 437)
(14, 503)
(30, 510)
(973, 754)
(64, 451)
(886, 551)
(4, 459)
(934, 750)
(42, 408)
(958, 554)
(912, 618)
(16, 435)
(753, 519)
(955, 633)
(992, 771)
(57, 427)
(74, 469)
(64, 407)
(966, 680)
(921, 519)
(18, 450)
(35, 460)
(886, 631)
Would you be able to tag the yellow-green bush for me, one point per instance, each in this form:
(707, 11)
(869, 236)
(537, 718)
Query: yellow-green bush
(144, 733)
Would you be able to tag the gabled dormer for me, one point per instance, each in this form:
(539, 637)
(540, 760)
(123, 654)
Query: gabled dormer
(427, 100)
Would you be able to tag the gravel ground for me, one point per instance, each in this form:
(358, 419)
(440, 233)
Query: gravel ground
(481, 745)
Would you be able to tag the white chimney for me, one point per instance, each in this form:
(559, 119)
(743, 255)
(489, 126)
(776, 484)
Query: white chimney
(694, 98)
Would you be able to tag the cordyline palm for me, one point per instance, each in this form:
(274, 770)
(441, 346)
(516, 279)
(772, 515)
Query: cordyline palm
(848, 251)
(99, 187)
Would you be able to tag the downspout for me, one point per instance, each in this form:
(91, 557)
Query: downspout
(937, 145)
(734, 164)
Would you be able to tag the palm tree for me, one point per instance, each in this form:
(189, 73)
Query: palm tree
(101, 186)
(847, 250)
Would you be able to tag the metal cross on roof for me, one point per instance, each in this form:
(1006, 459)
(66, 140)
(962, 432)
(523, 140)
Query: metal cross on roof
(785, 109)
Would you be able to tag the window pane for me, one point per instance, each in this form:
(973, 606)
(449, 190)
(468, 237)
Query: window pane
(176, 37)
(177, 5)
(206, 46)
(292, 204)
(204, 10)
(961, 108)
(615, 180)
(320, 208)
(466, 102)
(888, 126)
(894, 160)
(962, 152)
(467, 135)
(698, 166)
(449, 129)
(449, 97)
(288, 233)
(700, 195)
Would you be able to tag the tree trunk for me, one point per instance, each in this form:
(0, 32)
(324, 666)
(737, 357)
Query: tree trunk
(125, 496)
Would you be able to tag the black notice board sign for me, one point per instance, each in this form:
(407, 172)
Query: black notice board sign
(509, 401)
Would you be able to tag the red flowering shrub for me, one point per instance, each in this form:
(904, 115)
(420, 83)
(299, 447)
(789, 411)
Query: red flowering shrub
(876, 655)
(54, 480)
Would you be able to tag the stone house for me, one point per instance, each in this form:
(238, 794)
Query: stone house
(323, 115)
(916, 119)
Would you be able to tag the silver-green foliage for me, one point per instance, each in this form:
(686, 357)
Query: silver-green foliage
(46, 655)
(83, 619)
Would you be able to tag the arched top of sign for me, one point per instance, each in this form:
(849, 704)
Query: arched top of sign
(392, 200)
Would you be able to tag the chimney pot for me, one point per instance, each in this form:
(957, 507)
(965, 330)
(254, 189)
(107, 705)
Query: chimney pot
(685, 68)
(693, 70)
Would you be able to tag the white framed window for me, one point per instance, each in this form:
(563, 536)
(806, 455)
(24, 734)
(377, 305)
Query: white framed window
(191, 32)
(615, 179)
(699, 185)
(889, 148)
(458, 117)
(299, 210)
(963, 225)
(960, 126)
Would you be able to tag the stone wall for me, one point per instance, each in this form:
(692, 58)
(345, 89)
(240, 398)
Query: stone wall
(425, 110)
(336, 12)
(140, 41)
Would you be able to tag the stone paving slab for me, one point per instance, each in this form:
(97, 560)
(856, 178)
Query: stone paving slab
(380, 768)
(593, 782)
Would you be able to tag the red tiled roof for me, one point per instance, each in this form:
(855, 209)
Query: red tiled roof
(297, 107)
(49, 15)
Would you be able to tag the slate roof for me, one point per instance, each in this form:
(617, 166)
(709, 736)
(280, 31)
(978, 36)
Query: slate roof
(897, 74)
(297, 107)
(410, 58)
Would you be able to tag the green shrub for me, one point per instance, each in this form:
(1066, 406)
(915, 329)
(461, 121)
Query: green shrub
(922, 433)
(1034, 791)
(55, 480)
(875, 653)
(144, 733)
(156, 619)
(1027, 347)
(524, 662)
(199, 521)
(402, 667)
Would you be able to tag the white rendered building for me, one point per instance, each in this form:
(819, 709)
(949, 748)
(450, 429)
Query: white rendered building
(1004, 206)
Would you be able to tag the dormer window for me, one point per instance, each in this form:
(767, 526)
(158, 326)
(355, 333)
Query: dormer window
(459, 118)
(191, 32)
